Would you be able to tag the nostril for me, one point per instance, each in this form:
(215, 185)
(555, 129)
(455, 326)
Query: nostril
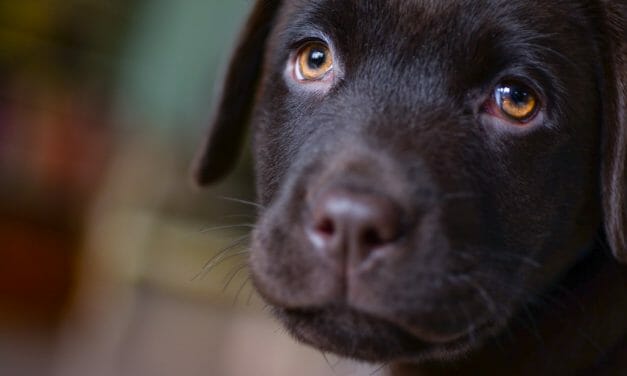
(371, 238)
(323, 233)
(326, 227)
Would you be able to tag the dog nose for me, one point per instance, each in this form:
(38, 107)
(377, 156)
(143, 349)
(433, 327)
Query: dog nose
(353, 224)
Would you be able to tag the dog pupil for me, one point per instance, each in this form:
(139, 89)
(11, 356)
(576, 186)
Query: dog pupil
(316, 59)
(519, 96)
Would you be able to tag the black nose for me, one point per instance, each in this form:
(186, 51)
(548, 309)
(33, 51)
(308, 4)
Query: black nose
(353, 224)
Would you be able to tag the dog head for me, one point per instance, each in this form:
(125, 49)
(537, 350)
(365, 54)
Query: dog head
(425, 167)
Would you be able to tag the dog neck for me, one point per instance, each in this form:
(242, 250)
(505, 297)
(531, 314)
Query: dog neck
(582, 329)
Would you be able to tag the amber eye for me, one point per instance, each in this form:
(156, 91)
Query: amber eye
(516, 101)
(313, 62)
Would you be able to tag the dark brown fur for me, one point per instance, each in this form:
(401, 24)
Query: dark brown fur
(506, 259)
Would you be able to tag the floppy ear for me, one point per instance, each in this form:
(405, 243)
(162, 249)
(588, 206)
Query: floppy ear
(614, 176)
(224, 139)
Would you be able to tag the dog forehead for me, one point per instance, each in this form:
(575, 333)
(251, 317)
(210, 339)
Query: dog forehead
(407, 18)
(417, 12)
(368, 16)
(445, 30)
(396, 6)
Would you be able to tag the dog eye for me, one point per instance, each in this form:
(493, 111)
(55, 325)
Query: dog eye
(516, 101)
(313, 62)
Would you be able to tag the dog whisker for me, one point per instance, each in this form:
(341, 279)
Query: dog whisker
(533, 325)
(227, 227)
(250, 216)
(457, 196)
(221, 260)
(222, 255)
(231, 276)
(482, 293)
(242, 201)
(595, 345)
(470, 322)
(379, 369)
(239, 291)
(529, 44)
(326, 359)
(507, 256)
(571, 296)
(562, 302)
(501, 255)
(250, 296)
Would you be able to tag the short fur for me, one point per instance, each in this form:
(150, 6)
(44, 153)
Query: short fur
(504, 263)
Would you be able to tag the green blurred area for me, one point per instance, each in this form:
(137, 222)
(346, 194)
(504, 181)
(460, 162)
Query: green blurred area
(172, 57)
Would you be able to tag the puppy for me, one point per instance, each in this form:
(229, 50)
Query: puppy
(443, 182)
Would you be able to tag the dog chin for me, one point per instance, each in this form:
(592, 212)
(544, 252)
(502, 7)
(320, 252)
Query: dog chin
(353, 334)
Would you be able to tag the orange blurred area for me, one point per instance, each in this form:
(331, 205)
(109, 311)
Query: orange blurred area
(110, 261)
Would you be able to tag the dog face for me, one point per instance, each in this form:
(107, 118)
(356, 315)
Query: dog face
(425, 167)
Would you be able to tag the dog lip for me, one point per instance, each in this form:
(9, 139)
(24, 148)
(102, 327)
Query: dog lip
(452, 338)
(425, 334)
(433, 338)
(374, 339)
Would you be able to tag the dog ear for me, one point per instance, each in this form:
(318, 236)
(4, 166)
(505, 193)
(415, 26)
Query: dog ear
(227, 129)
(614, 176)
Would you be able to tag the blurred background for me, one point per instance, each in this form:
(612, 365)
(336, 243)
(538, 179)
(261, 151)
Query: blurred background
(110, 262)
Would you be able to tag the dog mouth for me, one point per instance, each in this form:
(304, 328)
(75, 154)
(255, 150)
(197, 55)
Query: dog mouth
(349, 332)
(346, 332)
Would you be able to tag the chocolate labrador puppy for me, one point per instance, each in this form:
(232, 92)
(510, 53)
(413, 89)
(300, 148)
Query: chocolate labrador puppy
(443, 182)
